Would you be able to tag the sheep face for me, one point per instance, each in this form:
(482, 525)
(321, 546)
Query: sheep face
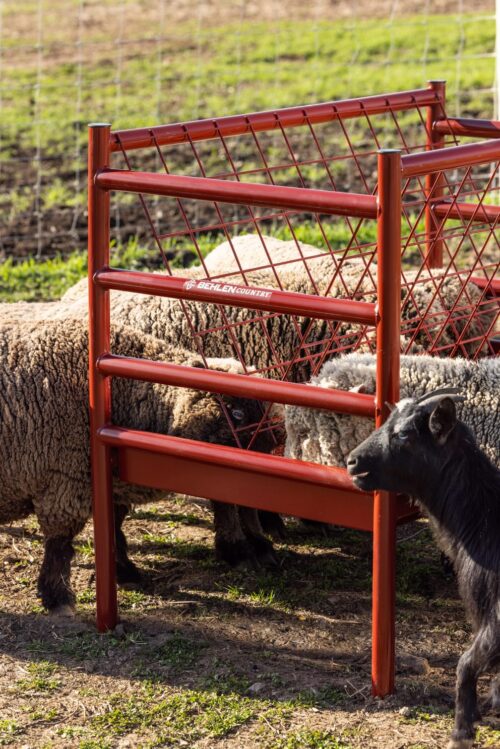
(409, 449)
(244, 414)
(222, 420)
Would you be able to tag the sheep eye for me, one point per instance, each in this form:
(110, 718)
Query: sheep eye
(238, 415)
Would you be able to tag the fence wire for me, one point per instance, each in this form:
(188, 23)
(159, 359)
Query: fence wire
(65, 64)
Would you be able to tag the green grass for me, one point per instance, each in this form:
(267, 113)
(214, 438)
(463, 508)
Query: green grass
(33, 281)
(210, 72)
(190, 714)
(246, 66)
(9, 730)
(178, 652)
(40, 678)
(308, 739)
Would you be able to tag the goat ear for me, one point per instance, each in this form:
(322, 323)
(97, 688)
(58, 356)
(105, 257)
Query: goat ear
(442, 420)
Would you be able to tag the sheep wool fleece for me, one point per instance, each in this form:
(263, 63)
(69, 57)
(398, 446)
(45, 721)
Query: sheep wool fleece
(44, 427)
(326, 437)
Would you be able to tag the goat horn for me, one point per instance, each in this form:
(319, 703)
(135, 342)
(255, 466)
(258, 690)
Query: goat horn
(391, 406)
(449, 390)
(431, 402)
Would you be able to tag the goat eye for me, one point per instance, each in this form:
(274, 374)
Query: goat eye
(238, 415)
(402, 438)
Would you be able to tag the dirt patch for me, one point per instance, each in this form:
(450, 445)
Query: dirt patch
(211, 657)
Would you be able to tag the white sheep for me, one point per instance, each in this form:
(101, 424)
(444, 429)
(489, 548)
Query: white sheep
(44, 439)
(257, 341)
(326, 437)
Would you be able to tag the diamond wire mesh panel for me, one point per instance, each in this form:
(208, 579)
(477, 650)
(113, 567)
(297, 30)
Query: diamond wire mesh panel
(443, 310)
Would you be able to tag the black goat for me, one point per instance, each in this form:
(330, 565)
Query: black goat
(424, 451)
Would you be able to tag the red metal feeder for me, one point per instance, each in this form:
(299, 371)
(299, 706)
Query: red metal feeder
(435, 206)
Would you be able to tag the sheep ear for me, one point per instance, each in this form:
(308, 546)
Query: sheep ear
(442, 420)
(361, 388)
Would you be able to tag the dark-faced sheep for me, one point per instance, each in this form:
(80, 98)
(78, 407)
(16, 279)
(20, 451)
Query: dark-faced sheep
(44, 438)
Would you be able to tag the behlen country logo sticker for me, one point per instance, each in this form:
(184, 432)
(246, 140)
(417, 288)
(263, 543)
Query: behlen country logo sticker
(227, 288)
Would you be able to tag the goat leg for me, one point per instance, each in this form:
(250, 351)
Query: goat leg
(482, 654)
(494, 696)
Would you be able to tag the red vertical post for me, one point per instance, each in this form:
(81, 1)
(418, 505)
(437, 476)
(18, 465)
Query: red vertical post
(434, 183)
(99, 386)
(387, 391)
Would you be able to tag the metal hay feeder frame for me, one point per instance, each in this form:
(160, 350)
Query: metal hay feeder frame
(430, 185)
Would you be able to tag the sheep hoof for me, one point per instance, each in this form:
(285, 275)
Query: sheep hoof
(495, 702)
(273, 525)
(235, 553)
(316, 526)
(64, 611)
(264, 551)
(460, 744)
(128, 575)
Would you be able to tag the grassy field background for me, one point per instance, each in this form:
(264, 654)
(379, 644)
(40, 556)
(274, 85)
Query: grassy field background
(136, 64)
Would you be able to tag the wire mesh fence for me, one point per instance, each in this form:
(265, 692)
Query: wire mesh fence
(64, 64)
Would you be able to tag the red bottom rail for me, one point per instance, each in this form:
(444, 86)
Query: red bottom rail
(227, 474)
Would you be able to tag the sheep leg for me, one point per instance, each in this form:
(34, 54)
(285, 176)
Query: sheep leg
(316, 526)
(231, 543)
(126, 571)
(494, 696)
(54, 586)
(481, 656)
(272, 524)
(253, 531)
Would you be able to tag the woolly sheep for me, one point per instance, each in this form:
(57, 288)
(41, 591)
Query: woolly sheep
(279, 337)
(44, 438)
(257, 252)
(221, 261)
(165, 317)
(424, 291)
(328, 438)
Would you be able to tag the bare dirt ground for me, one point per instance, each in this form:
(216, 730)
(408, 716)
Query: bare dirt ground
(265, 660)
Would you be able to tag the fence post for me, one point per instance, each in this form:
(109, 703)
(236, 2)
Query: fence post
(99, 386)
(434, 183)
(387, 390)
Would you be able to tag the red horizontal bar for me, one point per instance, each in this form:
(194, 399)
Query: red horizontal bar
(492, 285)
(468, 127)
(418, 164)
(218, 292)
(468, 211)
(227, 474)
(208, 129)
(222, 455)
(227, 191)
(246, 386)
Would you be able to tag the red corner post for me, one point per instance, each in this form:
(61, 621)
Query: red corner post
(434, 183)
(387, 391)
(99, 386)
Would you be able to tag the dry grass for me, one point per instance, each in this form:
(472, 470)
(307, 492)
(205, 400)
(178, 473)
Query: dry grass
(211, 657)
